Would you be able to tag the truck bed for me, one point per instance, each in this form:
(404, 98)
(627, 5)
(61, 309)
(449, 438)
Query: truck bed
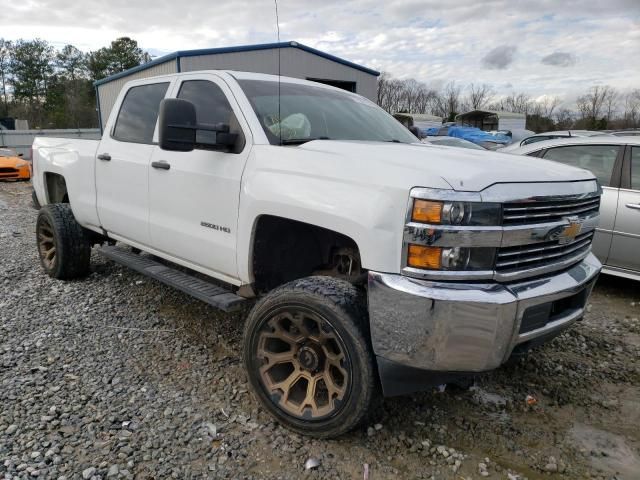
(73, 159)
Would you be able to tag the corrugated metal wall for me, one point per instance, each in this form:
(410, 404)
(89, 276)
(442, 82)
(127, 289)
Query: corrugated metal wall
(108, 92)
(295, 63)
(21, 140)
(511, 123)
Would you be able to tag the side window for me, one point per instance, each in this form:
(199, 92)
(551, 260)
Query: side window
(529, 140)
(212, 107)
(139, 112)
(599, 159)
(635, 168)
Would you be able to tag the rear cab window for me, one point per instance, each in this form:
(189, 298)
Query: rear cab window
(138, 113)
(599, 159)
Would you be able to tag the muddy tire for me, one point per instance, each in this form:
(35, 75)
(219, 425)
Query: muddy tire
(307, 356)
(63, 246)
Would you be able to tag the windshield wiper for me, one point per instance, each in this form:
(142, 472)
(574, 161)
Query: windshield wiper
(300, 141)
(393, 140)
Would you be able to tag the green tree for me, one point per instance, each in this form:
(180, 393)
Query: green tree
(72, 101)
(72, 63)
(5, 66)
(31, 69)
(122, 54)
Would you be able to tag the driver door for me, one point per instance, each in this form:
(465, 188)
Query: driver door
(194, 196)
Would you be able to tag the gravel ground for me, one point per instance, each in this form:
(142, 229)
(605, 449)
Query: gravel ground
(118, 376)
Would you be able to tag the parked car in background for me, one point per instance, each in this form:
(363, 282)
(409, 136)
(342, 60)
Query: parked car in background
(12, 166)
(626, 133)
(541, 137)
(615, 161)
(418, 123)
(452, 142)
(516, 134)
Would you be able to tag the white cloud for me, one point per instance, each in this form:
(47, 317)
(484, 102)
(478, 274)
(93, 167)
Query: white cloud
(429, 40)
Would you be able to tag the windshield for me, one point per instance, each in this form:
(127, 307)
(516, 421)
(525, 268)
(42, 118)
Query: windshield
(308, 113)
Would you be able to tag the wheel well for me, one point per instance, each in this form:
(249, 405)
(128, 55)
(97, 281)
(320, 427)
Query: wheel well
(56, 188)
(284, 250)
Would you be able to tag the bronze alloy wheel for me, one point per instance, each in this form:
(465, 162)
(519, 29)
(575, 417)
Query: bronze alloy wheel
(304, 365)
(46, 243)
(63, 246)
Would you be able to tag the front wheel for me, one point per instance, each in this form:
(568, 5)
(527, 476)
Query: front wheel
(307, 356)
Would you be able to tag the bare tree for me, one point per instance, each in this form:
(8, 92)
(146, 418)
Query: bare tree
(611, 103)
(447, 103)
(564, 119)
(383, 89)
(518, 103)
(479, 95)
(548, 105)
(631, 116)
(590, 105)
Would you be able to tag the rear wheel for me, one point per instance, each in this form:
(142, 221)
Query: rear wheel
(63, 246)
(307, 357)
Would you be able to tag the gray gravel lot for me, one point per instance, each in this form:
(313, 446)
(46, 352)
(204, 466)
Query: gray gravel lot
(118, 376)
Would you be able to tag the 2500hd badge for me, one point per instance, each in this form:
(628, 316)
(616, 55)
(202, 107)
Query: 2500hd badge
(216, 227)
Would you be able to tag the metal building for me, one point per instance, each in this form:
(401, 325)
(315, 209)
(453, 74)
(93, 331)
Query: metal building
(296, 60)
(489, 120)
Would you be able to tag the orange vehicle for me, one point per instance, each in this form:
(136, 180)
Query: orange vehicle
(12, 166)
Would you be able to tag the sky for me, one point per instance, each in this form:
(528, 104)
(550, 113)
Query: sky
(544, 47)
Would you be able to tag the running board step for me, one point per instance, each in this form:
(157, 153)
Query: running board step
(202, 290)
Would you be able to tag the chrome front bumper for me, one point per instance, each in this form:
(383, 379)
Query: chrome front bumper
(467, 327)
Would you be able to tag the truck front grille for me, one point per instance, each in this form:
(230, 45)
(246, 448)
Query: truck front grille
(544, 228)
(523, 213)
(525, 257)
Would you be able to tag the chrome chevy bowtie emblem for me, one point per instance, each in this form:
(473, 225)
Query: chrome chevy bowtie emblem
(566, 233)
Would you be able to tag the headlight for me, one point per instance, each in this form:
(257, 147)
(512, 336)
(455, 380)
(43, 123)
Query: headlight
(456, 213)
(450, 258)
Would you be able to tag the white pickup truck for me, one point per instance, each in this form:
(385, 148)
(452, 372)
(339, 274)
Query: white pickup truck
(381, 265)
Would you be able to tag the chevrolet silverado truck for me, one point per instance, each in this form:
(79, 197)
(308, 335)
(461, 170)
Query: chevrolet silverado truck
(379, 265)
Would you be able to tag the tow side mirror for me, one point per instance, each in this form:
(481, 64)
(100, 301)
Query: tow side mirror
(177, 124)
(181, 132)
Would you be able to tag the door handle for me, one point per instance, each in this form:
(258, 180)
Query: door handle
(635, 206)
(104, 156)
(161, 165)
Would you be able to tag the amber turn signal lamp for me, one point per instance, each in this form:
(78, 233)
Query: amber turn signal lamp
(420, 256)
(425, 211)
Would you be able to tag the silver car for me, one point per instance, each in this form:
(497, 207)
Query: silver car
(615, 161)
(541, 137)
(452, 142)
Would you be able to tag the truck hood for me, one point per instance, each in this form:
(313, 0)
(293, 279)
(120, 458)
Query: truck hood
(463, 169)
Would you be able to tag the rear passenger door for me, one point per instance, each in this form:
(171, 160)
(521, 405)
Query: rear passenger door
(122, 166)
(605, 162)
(625, 247)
